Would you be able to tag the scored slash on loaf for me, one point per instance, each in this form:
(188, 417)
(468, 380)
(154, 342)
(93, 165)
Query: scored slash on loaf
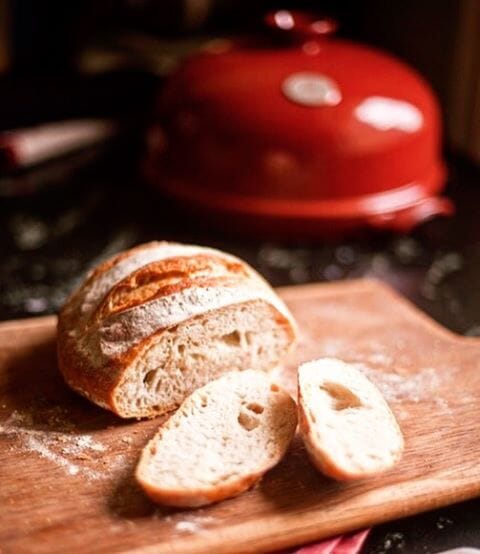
(156, 322)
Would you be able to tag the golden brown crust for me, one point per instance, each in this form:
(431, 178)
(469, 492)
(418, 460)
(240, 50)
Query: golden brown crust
(81, 331)
(99, 385)
(76, 368)
(199, 497)
(166, 277)
(101, 269)
(108, 264)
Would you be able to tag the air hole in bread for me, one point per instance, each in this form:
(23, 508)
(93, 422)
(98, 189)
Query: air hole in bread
(248, 421)
(234, 338)
(181, 348)
(203, 402)
(254, 407)
(149, 377)
(274, 387)
(249, 337)
(342, 398)
(197, 357)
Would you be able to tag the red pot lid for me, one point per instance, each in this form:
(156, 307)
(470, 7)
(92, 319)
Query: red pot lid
(315, 128)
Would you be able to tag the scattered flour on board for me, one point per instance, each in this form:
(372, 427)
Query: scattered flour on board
(39, 446)
(371, 352)
(413, 387)
(74, 453)
(374, 359)
(377, 361)
(192, 524)
(187, 527)
(423, 386)
(395, 387)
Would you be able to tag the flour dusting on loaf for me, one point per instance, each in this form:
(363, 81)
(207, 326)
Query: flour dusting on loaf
(154, 323)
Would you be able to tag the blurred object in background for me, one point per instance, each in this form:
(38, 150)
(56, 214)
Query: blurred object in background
(52, 174)
(464, 102)
(130, 50)
(45, 156)
(91, 59)
(299, 135)
(442, 41)
(30, 146)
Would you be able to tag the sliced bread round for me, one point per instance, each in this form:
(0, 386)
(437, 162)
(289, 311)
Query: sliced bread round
(154, 323)
(221, 440)
(348, 428)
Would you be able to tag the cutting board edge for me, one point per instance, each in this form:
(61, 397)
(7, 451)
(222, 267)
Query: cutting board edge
(309, 532)
(38, 321)
(297, 536)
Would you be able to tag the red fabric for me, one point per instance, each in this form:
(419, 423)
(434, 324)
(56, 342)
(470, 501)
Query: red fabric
(324, 547)
(349, 544)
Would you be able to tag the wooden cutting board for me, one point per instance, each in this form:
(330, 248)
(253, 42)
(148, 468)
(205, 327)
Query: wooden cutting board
(66, 466)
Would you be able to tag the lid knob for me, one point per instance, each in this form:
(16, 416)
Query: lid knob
(301, 26)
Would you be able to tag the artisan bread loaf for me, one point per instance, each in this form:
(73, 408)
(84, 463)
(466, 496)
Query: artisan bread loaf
(156, 322)
(221, 440)
(347, 426)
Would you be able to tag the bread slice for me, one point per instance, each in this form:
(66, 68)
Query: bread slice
(156, 322)
(220, 442)
(347, 426)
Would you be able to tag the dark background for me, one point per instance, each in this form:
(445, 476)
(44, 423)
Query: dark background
(51, 236)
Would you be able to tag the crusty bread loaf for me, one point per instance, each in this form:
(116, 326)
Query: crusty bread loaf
(156, 322)
(222, 439)
(347, 426)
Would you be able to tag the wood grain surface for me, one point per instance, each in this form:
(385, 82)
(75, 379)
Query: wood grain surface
(66, 466)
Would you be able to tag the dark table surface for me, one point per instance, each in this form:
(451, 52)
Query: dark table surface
(50, 239)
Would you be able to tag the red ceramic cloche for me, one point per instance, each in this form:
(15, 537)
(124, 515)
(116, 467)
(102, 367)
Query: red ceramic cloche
(306, 137)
